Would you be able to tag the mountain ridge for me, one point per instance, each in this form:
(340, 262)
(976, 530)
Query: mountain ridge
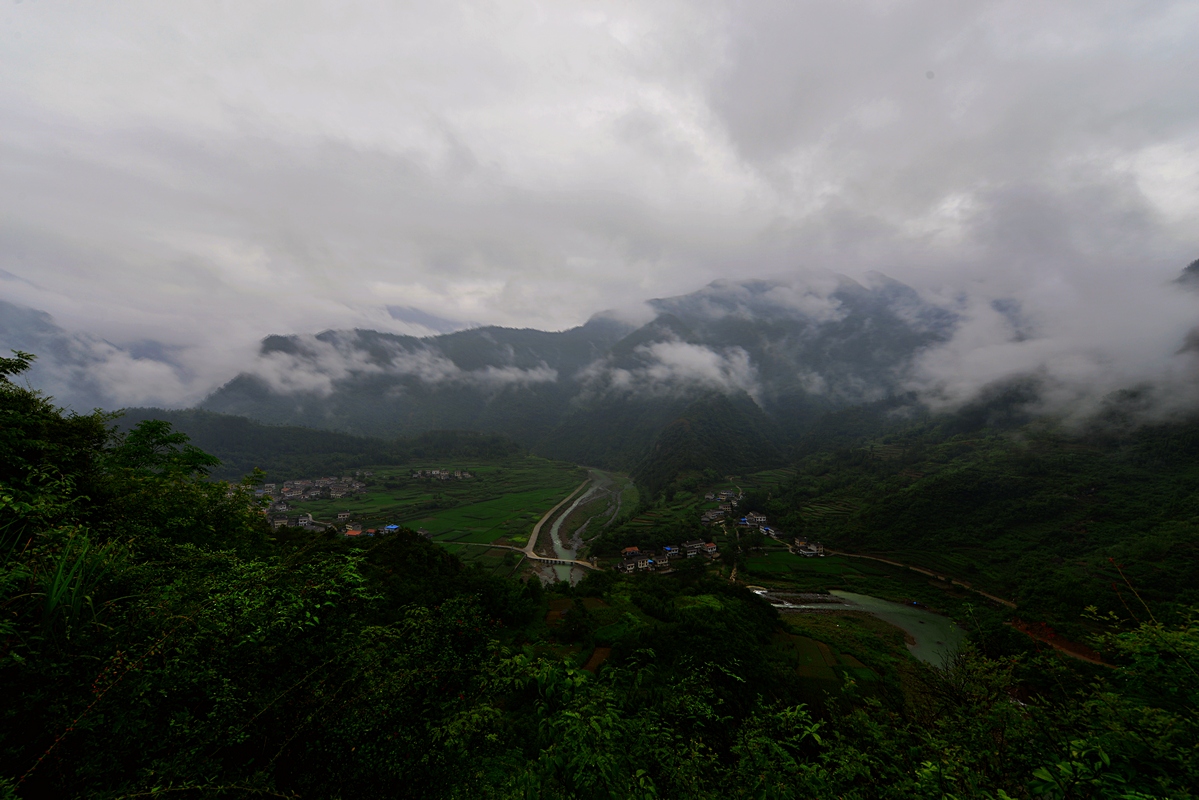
(603, 392)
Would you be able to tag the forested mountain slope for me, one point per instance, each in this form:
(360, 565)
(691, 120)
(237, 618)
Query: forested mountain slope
(288, 452)
(601, 393)
(714, 436)
(1044, 516)
(158, 639)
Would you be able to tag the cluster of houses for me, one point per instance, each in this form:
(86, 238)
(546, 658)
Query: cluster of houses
(633, 559)
(353, 530)
(728, 504)
(725, 511)
(312, 489)
(281, 519)
(442, 474)
(802, 547)
(752, 520)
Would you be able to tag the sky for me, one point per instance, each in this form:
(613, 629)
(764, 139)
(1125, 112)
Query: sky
(193, 176)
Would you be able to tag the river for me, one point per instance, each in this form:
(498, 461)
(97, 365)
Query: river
(567, 550)
(935, 639)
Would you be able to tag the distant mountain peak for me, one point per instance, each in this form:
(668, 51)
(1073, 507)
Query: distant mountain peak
(1189, 276)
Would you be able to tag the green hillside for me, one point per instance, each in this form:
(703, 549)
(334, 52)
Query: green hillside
(285, 452)
(602, 393)
(157, 639)
(1045, 517)
(715, 435)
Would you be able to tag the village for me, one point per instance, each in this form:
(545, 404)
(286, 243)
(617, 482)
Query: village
(281, 512)
(314, 488)
(281, 497)
(729, 501)
(634, 559)
(442, 474)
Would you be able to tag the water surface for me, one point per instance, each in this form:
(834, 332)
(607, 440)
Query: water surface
(937, 638)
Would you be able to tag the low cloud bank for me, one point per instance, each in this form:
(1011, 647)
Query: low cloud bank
(672, 368)
(317, 365)
(82, 372)
(1079, 337)
(809, 296)
(1079, 343)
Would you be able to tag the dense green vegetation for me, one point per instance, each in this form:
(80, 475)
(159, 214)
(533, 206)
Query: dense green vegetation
(1050, 519)
(714, 436)
(287, 452)
(157, 639)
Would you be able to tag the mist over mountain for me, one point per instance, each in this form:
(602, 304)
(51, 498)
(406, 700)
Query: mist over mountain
(82, 371)
(783, 353)
(600, 393)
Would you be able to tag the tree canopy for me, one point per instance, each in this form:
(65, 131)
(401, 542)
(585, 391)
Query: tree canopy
(157, 638)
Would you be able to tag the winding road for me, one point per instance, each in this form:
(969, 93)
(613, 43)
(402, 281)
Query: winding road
(528, 549)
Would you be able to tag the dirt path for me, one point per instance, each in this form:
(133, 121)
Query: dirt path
(1065, 646)
(928, 572)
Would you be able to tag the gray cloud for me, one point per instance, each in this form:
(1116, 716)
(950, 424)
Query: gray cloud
(201, 176)
(808, 295)
(672, 367)
(83, 372)
(312, 365)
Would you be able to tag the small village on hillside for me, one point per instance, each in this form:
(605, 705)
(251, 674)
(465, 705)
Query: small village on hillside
(635, 559)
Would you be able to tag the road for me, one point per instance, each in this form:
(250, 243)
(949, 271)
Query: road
(537, 528)
(927, 572)
(528, 549)
(532, 556)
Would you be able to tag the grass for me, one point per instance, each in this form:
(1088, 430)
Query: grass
(493, 561)
(502, 502)
(824, 668)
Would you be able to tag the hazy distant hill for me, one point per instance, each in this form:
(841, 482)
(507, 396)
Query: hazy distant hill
(782, 354)
(79, 370)
(287, 452)
(715, 435)
(371, 383)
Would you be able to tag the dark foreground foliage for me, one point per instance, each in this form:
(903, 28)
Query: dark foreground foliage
(155, 639)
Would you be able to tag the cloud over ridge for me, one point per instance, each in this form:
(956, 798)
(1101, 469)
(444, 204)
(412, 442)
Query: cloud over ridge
(318, 364)
(205, 176)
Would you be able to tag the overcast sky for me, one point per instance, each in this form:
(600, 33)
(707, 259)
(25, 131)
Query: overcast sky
(202, 174)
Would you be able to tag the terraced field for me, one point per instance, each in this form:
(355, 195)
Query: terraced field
(646, 520)
(765, 478)
(828, 508)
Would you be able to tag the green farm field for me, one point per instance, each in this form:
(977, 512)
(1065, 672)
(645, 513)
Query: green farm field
(502, 502)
